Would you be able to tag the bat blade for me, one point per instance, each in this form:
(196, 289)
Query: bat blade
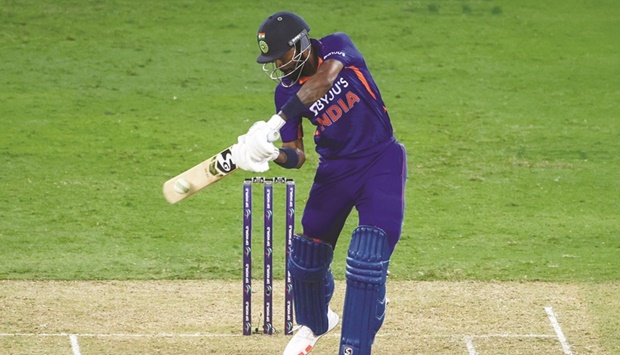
(201, 176)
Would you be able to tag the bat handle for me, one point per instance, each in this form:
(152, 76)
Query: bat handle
(273, 135)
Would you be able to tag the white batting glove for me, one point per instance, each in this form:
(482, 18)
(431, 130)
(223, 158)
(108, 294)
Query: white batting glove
(255, 149)
(259, 140)
(276, 122)
(241, 157)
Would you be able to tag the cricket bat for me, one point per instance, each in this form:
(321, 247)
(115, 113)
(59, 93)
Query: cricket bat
(204, 174)
(199, 177)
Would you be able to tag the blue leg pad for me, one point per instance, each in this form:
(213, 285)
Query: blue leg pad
(364, 303)
(313, 282)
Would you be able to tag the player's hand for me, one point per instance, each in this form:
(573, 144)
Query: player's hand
(241, 157)
(255, 149)
(259, 141)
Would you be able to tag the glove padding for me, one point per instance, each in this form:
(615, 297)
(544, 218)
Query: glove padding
(241, 157)
(259, 140)
(255, 149)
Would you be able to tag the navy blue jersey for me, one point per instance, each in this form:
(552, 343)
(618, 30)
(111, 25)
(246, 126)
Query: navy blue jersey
(351, 120)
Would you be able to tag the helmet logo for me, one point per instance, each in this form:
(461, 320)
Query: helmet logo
(261, 43)
(263, 46)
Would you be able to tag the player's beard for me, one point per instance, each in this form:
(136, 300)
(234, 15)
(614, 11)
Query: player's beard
(297, 73)
(302, 70)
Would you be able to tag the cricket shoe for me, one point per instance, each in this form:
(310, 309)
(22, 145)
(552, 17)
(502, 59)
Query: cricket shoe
(303, 341)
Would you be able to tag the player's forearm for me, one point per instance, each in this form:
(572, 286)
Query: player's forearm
(316, 87)
(308, 94)
(293, 159)
(292, 155)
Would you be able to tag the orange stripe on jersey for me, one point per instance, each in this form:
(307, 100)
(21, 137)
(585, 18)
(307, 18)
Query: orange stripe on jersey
(305, 78)
(363, 80)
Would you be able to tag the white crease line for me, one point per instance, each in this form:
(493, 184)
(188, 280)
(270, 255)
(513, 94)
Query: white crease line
(122, 335)
(470, 345)
(483, 336)
(215, 335)
(75, 346)
(558, 330)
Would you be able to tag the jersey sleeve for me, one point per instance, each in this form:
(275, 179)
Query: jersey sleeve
(339, 46)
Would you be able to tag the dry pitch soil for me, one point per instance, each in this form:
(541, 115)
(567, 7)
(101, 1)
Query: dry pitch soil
(204, 317)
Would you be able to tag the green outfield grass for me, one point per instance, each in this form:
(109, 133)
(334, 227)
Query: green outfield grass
(509, 111)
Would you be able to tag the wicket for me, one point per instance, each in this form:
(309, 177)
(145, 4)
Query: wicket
(268, 327)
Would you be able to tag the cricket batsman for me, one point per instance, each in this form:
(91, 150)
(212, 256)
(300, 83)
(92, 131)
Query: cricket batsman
(362, 166)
